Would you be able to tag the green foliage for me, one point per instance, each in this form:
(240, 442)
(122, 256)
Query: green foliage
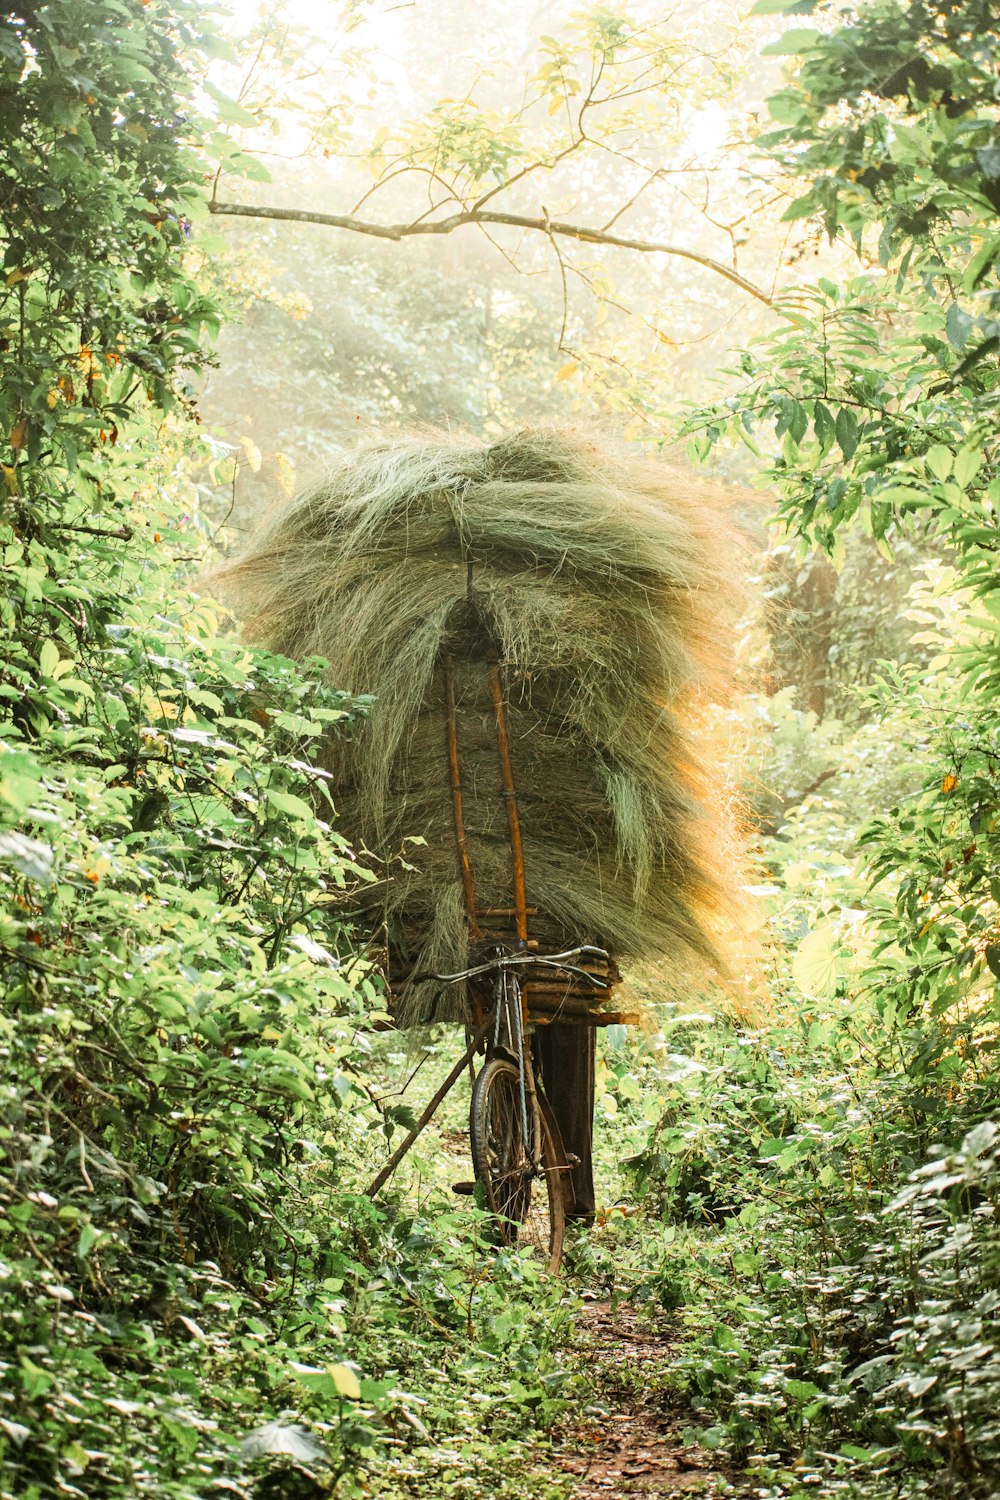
(193, 1292)
(195, 1295)
(855, 402)
(824, 1188)
(869, 416)
(892, 118)
(97, 302)
(874, 402)
(841, 1312)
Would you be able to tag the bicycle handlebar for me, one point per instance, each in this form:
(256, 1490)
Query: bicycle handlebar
(503, 961)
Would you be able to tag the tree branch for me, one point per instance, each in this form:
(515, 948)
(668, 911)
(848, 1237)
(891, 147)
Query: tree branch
(548, 227)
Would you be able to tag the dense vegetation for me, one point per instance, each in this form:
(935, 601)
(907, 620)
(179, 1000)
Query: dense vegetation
(196, 1295)
(860, 1205)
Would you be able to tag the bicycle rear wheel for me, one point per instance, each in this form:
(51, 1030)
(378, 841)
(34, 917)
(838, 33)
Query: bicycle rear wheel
(529, 1206)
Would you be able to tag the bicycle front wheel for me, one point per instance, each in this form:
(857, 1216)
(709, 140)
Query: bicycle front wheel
(529, 1202)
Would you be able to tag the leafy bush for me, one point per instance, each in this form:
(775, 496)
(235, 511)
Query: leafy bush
(840, 1309)
(193, 1292)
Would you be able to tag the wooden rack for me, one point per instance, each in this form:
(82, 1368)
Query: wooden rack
(548, 996)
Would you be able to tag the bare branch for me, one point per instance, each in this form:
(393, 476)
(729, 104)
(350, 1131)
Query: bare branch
(549, 227)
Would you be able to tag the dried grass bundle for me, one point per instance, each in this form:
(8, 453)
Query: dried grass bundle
(604, 583)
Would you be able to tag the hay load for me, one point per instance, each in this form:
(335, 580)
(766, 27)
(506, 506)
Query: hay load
(597, 584)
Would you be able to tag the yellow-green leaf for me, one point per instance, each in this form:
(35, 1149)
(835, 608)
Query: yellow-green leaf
(816, 967)
(939, 461)
(967, 465)
(48, 658)
(346, 1381)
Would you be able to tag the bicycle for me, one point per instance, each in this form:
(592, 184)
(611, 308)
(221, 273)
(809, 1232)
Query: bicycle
(515, 1139)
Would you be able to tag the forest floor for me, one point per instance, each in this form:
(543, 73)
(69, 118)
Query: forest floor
(632, 1440)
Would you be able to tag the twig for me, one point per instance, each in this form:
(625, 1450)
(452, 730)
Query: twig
(565, 285)
(83, 1165)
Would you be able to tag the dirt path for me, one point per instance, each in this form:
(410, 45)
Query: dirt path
(633, 1443)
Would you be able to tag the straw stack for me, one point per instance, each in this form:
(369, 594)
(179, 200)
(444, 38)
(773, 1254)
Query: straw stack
(603, 584)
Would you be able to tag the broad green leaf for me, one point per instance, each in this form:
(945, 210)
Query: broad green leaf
(801, 208)
(980, 264)
(48, 658)
(816, 966)
(846, 427)
(801, 39)
(823, 424)
(958, 324)
(89, 1236)
(288, 802)
(903, 496)
(967, 465)
(787, 108)
(939, 460)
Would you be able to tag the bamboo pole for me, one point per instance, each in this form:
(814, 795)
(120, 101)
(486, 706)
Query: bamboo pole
(451, 726)
(510, 798)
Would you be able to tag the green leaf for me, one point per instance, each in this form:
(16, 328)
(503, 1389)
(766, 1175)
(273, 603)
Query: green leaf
(823, 424)
(967, 465)
(89, 1237)
(801, 208)
(801, 39)
(816, 967)
(957, 325)
(48, 658)
(288, 802)
(974, 357)
(939, 460)
(787, 108)
(902, 495)
(847, 432)
(980, 263)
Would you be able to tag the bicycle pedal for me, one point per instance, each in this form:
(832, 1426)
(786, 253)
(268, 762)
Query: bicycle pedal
(464, 1189)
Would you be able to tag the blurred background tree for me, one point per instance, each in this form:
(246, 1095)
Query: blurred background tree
(628, 123)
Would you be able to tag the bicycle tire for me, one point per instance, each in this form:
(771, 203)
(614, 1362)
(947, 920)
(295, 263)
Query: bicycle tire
(530, 1209)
